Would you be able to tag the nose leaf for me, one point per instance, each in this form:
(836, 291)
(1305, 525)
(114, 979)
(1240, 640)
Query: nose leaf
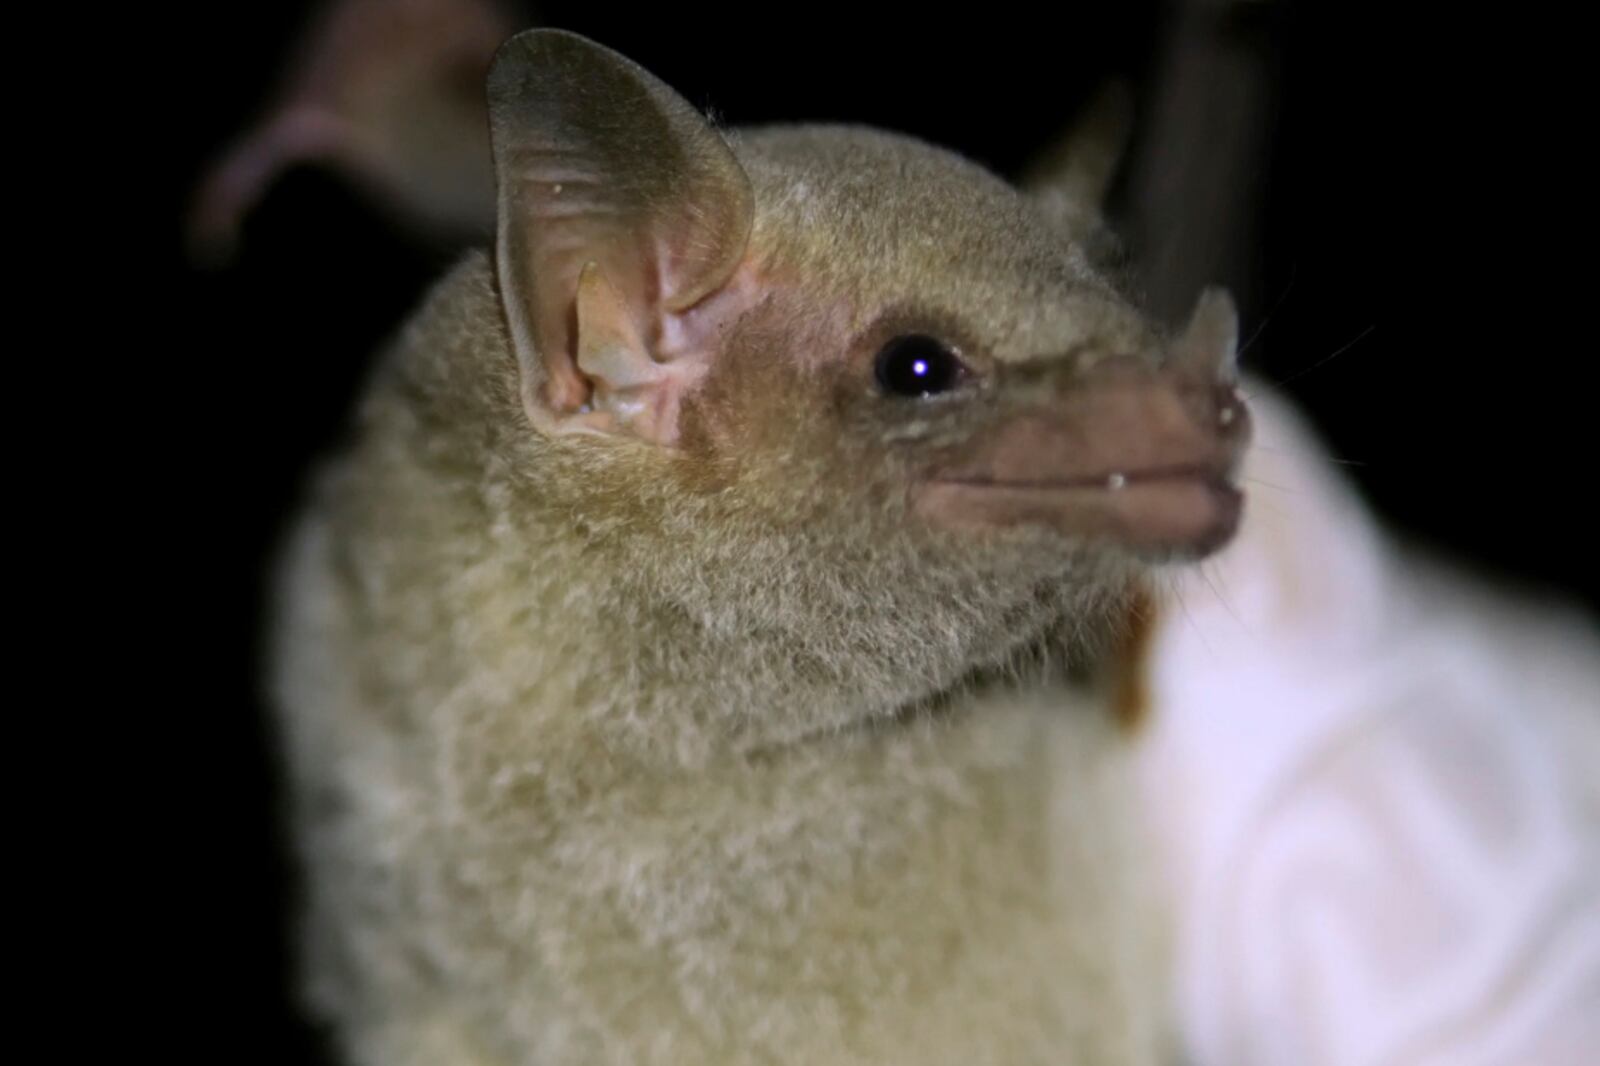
(1208, 347)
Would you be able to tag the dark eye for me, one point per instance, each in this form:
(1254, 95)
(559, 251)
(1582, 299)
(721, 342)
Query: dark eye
(917, 365)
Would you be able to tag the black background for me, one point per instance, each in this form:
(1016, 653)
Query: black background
(1399, 209)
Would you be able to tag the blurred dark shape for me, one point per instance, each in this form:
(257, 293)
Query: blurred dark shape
(388, 91)
(1194, 190)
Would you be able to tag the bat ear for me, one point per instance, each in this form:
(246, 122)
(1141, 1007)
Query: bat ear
(1071, 179)
(619, 209)
(1209, 344)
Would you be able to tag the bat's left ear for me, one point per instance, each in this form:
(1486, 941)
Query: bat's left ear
(620, 209)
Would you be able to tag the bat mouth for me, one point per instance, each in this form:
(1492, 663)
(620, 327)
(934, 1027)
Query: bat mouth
(1190, 510)
(1110, 481)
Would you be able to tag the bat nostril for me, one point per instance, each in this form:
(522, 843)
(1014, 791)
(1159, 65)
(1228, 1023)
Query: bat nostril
(1228, 409)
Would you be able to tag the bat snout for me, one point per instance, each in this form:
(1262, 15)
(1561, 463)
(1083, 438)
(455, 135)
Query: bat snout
(1139, 458)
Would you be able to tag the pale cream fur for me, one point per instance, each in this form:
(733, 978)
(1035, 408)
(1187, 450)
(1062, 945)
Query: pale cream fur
(591, 768)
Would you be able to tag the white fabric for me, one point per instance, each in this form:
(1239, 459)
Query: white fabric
(1378, 784)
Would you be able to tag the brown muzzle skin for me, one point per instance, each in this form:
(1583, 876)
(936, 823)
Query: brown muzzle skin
(1126, 453)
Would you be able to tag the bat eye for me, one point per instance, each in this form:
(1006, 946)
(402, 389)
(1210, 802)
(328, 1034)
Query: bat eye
(917, 365)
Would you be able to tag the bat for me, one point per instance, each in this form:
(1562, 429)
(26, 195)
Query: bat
(685, 653)
(663, 319)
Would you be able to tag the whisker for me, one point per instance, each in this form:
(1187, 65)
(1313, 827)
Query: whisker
(1227, 604)
(1310, 456)
(1359, 337)
(1269, 485)
(1177, 593)
(1288, 286)
(1272, 506)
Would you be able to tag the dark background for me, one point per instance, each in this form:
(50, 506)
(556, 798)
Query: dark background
(1397, 207)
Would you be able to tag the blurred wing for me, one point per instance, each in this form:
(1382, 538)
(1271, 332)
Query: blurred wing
(1378, 784)
(387, 92)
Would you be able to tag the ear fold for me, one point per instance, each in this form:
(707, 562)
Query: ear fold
(619, 208)
(1071, 179)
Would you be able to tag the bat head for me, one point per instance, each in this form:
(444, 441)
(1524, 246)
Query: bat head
(845, 341)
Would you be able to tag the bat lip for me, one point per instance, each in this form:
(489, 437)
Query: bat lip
(1188, 510)
(1109, 481)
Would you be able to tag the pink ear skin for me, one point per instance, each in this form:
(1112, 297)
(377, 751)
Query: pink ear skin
(631, 383)
(623, 223)
(386, 91)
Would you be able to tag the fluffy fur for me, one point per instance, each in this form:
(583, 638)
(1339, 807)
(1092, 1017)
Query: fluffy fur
(609, 753)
